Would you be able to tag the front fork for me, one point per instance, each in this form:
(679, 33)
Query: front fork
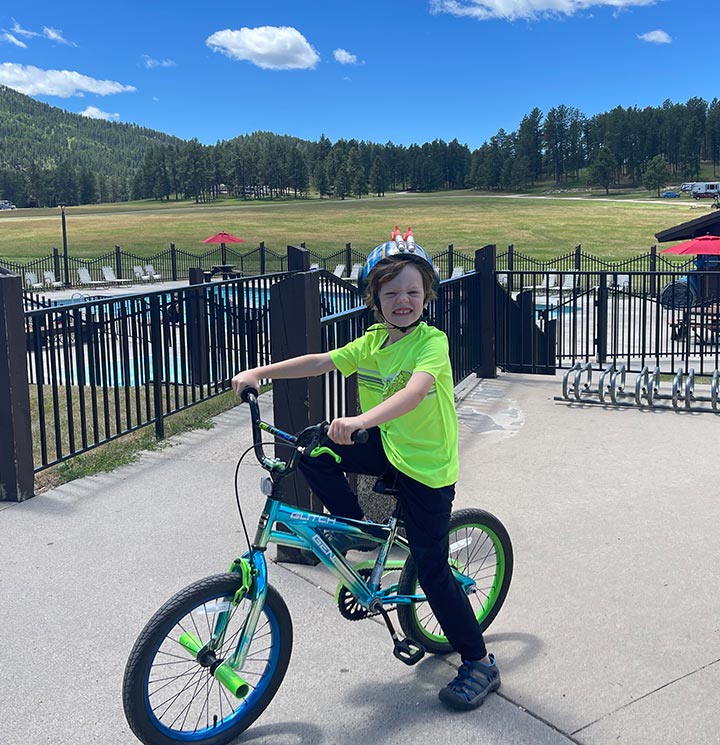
(253, 571)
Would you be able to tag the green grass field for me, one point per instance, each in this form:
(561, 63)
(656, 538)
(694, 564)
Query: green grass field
(541, 225)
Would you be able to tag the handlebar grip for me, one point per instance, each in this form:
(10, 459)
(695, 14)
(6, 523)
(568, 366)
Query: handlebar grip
(246, 393)
(359, 436)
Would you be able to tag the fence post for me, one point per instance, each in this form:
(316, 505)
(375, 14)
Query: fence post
(348, 258)
(295, 330)
(173, 261)
(262, 258)
(197, 331)
(298, 260)
(653, 268)
(56, 263)
(602, 318)
(578, 258)
(451, 259)
(485, 267)
(118, 262)
(510, 266)
(16, 456)
(157, 365)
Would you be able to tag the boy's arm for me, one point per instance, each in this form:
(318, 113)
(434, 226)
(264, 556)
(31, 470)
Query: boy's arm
(391, 408)
(305, 366)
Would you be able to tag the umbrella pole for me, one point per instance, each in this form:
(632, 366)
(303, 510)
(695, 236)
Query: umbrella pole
(223, 253)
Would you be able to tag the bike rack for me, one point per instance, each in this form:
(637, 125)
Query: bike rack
(646, 393)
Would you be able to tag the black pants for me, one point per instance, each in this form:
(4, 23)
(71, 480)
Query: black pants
(426, 514)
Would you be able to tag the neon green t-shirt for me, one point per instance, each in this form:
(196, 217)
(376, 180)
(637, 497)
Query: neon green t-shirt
(423, 443)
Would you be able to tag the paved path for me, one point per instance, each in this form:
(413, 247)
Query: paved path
(610, 633)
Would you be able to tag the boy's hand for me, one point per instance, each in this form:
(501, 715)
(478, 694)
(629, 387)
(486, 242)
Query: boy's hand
(243, 380)
(340, 430)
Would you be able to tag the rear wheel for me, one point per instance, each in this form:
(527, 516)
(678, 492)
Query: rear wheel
(480, 549)
(169, 696)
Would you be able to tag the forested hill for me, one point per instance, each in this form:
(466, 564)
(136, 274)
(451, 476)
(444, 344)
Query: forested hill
(41, 146)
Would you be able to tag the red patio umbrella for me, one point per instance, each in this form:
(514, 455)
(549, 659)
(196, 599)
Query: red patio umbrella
(223, 238)
(704, 245)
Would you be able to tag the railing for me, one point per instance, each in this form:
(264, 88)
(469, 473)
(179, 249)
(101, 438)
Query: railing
(175, 263)
(665, 319)
(102, 368)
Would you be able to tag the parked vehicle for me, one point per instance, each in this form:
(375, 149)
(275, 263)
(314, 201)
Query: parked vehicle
(687, 186)
(705, 189)
(670, 194)
(6, 205)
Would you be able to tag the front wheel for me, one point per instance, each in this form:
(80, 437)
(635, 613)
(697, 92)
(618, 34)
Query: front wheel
(480, 549)
(170, 694)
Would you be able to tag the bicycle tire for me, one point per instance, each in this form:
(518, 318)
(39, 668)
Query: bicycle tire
(169, 697)
(480, 547)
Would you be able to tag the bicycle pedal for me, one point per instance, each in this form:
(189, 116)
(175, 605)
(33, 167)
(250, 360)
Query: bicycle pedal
(408, 651)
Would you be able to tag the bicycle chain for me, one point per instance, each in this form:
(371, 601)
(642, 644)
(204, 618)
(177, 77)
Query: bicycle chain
(348, 604)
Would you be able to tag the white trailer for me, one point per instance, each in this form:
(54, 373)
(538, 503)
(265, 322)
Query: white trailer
(705, 189)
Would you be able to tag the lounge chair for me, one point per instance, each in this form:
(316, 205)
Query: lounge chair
(86, 279)
(111, 277)
(154, 276)
(339, 271)
(31, 281)
(458, 271)
(314, 267)
(355, 272)
(50, 281)
(141, 274)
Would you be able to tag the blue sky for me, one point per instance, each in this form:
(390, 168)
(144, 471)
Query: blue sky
(380, 70)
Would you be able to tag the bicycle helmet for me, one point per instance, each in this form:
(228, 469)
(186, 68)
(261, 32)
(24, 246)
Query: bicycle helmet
(398, 248)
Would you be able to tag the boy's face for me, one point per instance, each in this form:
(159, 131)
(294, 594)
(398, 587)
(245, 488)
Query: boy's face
(402, 298)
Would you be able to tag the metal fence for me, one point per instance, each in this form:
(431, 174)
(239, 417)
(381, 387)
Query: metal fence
(665, 319)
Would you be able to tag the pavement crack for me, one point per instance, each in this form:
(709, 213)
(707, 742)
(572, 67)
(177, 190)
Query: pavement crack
(646, 695)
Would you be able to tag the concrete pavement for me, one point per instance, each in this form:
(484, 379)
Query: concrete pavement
(610, 632)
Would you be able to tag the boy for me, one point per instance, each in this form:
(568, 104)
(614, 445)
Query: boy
(407, 401)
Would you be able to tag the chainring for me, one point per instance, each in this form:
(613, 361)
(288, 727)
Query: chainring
(349, 605)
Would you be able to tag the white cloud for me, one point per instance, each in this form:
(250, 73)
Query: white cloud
(18, 30)
(92, 112)
(10, 39)
(513, 10)
(63, 83)
(150, 62)
(55, 34)
(656, 37)
(268, 47)
(344, 57)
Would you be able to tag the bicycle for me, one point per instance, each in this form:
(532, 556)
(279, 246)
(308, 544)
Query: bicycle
(210, 660)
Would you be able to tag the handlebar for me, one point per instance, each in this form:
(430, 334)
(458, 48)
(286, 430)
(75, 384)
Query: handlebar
(308, 442)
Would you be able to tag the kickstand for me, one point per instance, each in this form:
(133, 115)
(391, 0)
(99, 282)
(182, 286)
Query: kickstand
(406, 650)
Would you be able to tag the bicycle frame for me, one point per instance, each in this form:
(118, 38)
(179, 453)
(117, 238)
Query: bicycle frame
(294, 527)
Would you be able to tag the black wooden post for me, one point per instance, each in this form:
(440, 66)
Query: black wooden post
(262, 258)
(578, 257)
(173, 261)
(348, 259)
(485, 267)
(298, 260)
(450, 259)
(118, 262)
(295, 330)
(16, 456)
(197, 331)
(602, 318)
(56, 263)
